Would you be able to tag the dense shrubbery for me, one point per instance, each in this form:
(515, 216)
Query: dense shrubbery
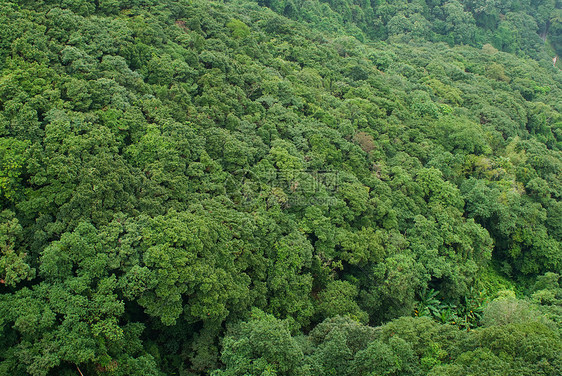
(195, 187)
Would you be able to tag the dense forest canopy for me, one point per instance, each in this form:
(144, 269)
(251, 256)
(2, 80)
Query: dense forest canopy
(280, 187)
(517, 26)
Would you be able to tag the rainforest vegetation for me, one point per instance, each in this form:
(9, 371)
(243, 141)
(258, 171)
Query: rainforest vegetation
(280, 187)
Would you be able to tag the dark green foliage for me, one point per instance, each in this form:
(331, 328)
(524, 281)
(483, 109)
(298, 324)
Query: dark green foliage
(512, 26)
(243, 187)
(262, 346)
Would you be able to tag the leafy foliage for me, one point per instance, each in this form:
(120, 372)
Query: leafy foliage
(276, 187)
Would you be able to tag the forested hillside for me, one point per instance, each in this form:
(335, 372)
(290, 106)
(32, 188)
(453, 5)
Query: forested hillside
(517, 26)
(235, 188)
